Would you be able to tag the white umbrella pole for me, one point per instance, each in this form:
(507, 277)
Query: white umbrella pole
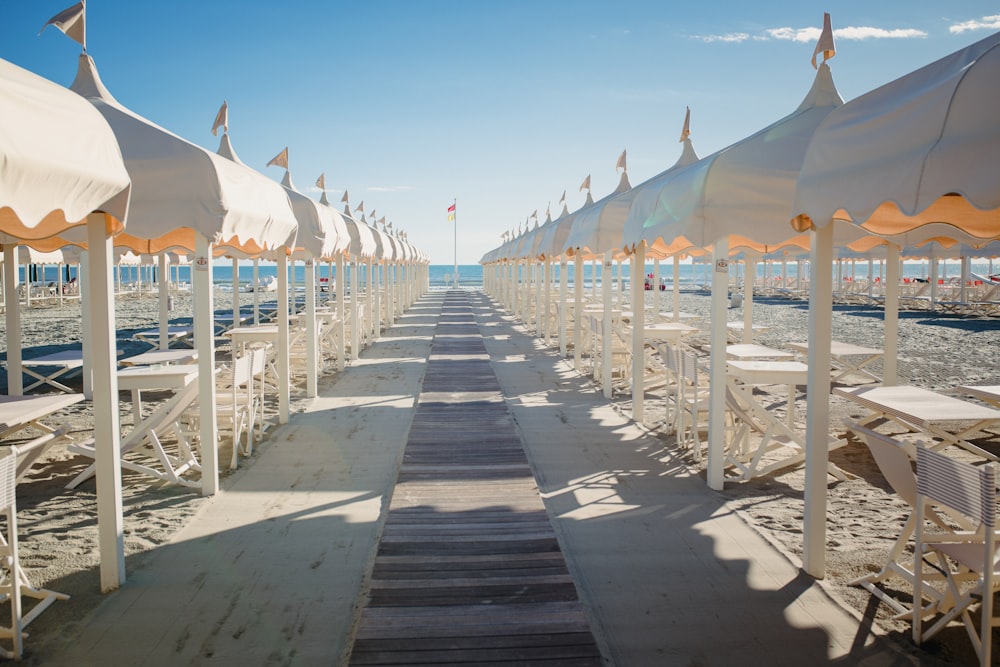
(749, 277)
(341, 313)
(593, 279)
(204, 342)
(818, 400)
(717, 367)
(547, 327)
(107, 431)
(891, 314)
(655, 286)
(677, 287)
(577, 310)
(355, 308)
(164, 296)
(236, 292)
(256, 293)
(563, 302)
(282, 351)
(312, 358)
(86, 322)
(12, 317)
(638, 330)
(607, 333)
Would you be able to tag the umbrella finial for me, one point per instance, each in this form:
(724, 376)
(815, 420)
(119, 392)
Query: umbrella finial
(825, 43)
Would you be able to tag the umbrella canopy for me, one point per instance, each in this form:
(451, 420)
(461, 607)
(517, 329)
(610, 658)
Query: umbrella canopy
(59, 160)
(585, 234)
(742, 192)
(179, 188)
(363, 243)
(922, 149)
(59, 163)
(634, 212)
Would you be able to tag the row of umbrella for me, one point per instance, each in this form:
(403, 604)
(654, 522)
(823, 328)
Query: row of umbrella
(79, 168)
(909, 163)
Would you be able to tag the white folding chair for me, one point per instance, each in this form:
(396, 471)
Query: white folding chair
(968, 563)
(168, 420)
(14, 582)
(694, 403)
(896, 466)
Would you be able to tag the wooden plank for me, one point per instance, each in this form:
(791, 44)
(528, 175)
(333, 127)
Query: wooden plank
(468, 568)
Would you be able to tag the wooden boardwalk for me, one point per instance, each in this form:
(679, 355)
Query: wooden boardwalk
(468, 570)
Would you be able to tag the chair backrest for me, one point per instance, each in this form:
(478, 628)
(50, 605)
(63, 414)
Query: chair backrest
(892, 460)
(689, 367)
(241, 369)
(669, 354)
(8, 480)
(961, 486)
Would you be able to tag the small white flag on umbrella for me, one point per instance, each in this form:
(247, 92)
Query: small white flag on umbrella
(586, 184)
(281, 159)
(621, 163)
(686, 132)
(221, 120)
(562, 200)
(534, 214)
(360, 207)
(345, 198)
(825, 44)
(321, 182)
(72, 22)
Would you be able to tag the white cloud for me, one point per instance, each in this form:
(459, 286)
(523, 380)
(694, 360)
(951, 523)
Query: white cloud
(809, 35)
(389, 188)
(731, 37)
(985, 23)
(795, 34)
(863, 32)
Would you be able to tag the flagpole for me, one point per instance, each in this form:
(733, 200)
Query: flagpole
(455, 221)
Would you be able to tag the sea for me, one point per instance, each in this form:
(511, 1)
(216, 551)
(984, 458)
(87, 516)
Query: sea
(470, 276)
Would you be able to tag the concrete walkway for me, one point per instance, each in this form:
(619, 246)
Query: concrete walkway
(273, 570)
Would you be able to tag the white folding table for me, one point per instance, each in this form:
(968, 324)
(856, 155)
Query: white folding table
(847, 358)
(47, 368)
(750, 414)
(924, 411)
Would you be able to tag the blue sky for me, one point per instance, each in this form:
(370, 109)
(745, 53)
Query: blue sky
(411, 104)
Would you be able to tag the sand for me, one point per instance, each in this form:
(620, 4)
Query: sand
(57, 527)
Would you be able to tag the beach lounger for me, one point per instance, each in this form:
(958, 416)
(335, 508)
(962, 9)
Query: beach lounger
(148, 437)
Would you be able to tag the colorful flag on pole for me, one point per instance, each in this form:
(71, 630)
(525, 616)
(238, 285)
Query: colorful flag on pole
(451, 212)
(221, 119)
(72, 22)
(281, 159)
(825, 43)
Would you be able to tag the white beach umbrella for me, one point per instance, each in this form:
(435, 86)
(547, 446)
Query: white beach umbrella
(61, 169)
(321, 234)
(922, 150)
(186, 197)
(736, 197)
